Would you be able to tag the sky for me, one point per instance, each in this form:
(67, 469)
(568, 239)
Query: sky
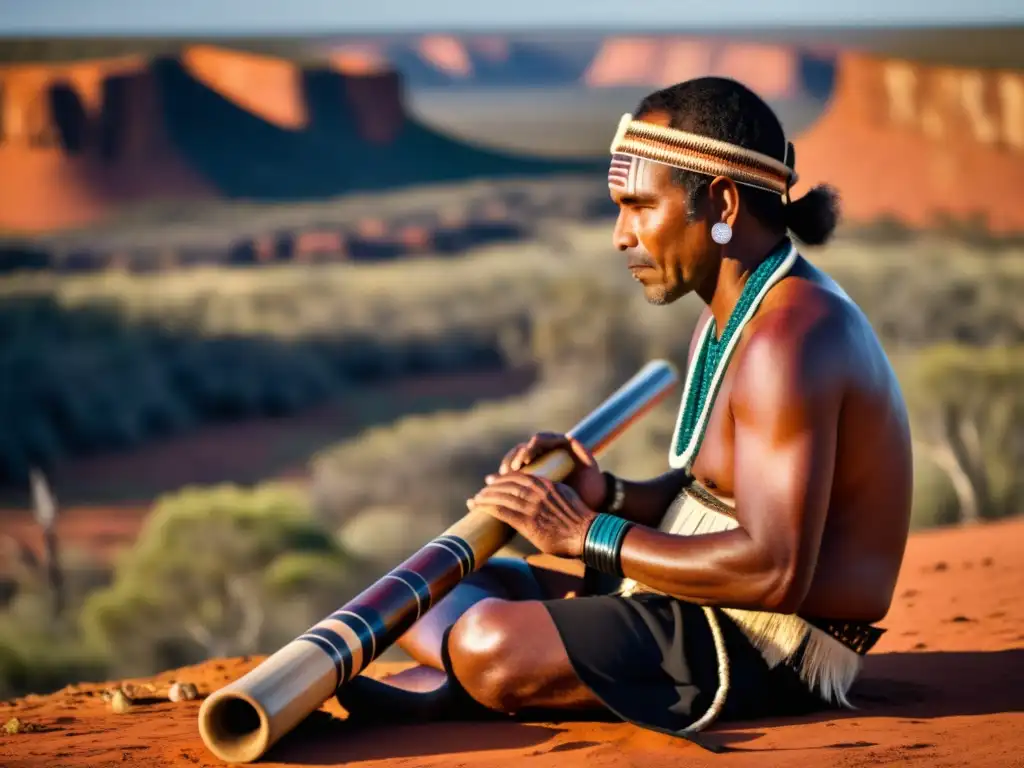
(337, 17)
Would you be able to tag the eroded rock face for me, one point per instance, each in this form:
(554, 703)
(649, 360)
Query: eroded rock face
(913, 143)
(774, 71)
(77, 141)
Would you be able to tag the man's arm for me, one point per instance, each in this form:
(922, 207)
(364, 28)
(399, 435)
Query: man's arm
(645, 502)
(785, 404)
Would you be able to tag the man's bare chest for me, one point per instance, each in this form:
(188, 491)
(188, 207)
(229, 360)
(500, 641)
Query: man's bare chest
(715, 460)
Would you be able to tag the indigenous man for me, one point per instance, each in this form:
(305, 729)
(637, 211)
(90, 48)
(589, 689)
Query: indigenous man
(745, 580)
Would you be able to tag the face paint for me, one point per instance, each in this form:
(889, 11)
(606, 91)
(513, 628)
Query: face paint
(631, 175)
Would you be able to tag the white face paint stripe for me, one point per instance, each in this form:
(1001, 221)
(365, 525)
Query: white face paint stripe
(630, 174)
(620, 174)
(642, 179)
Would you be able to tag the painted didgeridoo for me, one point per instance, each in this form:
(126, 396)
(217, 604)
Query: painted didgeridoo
(240, 722)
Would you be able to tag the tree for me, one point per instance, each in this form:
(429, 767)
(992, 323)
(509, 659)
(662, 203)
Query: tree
(219, 571)
(967, 404)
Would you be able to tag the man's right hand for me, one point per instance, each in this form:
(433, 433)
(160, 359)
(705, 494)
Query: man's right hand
(586, 478)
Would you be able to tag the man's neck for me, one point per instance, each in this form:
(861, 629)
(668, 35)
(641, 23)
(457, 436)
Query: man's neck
(723, 290)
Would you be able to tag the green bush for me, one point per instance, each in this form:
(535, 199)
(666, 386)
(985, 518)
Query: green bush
(39, 664)
(935, 503)
(41, 650)
(218, 571)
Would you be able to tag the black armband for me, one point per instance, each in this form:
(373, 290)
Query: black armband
(614, 494)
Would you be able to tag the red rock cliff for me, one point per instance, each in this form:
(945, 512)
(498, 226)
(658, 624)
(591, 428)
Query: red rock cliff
(771, 70)
(79, 139)
(900, 140)
(911, 142)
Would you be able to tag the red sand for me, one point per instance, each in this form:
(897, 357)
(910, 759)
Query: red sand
(943, 688)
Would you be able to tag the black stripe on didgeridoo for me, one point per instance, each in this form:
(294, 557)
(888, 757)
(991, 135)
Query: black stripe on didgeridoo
(419, 585)
(463, 546)
(334, 645)
(368, 626)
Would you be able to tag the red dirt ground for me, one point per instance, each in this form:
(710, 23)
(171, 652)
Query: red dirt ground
(942, 688)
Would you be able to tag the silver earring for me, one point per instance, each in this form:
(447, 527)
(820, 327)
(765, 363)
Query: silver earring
(721, 233)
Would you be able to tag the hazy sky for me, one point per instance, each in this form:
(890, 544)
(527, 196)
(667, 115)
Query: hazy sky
(197, 17)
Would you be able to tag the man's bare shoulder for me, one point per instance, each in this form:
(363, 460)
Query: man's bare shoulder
(802, 339)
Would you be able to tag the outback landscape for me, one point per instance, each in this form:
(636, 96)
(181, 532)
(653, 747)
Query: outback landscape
(270, 314)
(937, 691)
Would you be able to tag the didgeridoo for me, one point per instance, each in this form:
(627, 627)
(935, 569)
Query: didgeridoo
(240, 722)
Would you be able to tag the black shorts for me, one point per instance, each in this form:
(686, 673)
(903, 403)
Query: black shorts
(652, 661)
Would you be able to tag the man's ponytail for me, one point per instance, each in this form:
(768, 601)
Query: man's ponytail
(813, 218)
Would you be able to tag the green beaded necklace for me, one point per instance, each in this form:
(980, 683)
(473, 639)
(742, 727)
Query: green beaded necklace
(713, 354)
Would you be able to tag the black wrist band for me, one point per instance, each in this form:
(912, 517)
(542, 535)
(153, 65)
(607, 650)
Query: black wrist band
(602, 548)
(614, 494)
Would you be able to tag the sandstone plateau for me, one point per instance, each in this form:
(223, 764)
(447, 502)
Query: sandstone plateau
(80, 141)
(942, 688)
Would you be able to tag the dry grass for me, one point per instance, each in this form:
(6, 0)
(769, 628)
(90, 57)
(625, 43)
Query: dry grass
(115, 359)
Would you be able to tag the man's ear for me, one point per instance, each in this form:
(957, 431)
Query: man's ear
(723, 201)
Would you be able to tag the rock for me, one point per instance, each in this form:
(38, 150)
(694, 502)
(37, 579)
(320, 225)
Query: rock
(120, 702)
(182, 692)
(14, 725)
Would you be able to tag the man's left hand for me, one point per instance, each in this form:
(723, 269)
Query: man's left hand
(549, 515)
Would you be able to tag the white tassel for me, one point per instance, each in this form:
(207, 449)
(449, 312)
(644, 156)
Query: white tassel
(827, 665)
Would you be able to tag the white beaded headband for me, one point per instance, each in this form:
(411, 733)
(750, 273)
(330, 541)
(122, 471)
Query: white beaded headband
(637, 141)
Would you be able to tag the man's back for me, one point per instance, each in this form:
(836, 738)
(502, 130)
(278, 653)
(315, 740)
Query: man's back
(865, 529)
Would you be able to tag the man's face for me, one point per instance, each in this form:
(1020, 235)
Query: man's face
(668, 254)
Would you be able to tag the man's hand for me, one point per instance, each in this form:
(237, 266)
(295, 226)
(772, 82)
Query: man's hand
(586, 478)
(549, 515)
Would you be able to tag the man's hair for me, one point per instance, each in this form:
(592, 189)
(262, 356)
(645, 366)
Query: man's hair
(724, 109)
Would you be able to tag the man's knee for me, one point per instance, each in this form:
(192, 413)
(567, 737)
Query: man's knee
(486, 655)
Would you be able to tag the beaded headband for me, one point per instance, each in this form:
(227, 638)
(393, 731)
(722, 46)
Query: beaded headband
(637, 142)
